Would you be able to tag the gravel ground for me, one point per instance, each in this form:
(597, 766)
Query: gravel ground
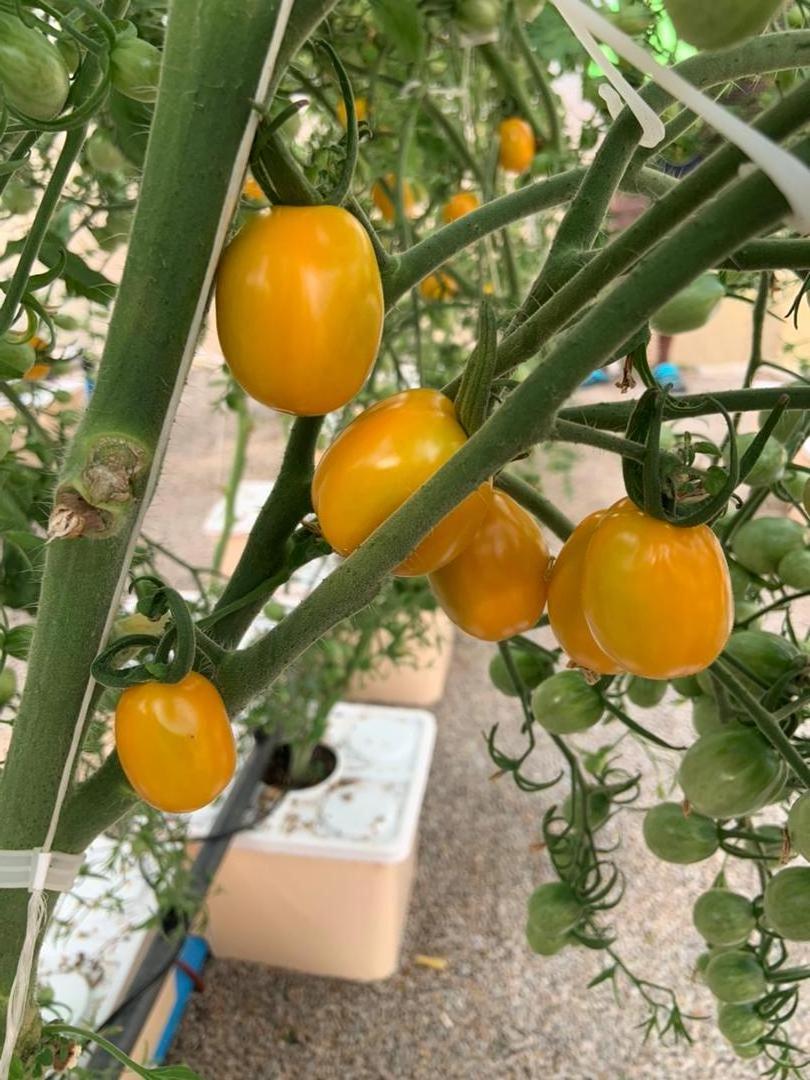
(496, 1010)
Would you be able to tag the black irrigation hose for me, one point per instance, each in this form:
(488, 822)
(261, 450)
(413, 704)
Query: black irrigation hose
(131, 1015)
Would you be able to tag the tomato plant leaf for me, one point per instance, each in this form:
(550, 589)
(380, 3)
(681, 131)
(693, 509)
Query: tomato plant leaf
(603, 976)
(402, 24)
(79, 278)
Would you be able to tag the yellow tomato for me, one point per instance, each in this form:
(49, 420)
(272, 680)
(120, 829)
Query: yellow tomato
(175, 743)
(438, 287)
(386, 205)
(37, 372)
(458, 205)
(565, 601)
(517, 145)
(657, 597)
(251, 190)
(300, 308)
(360, 110)
(496, 587)
(379, 461)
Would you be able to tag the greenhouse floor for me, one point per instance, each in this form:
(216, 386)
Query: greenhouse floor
(487, 1007)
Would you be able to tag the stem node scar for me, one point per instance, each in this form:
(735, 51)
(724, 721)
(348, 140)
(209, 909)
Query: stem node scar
(92, 501)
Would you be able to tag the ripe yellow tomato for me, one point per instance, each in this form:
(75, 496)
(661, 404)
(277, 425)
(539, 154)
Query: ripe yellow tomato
(657, 597)
(497, 586)
(386, 205)
(251, 190)
(565, 601)
(175, 743)
(458, 205)
(300, 308)
(517, 145)
(379, 461)
(37, 372)
(360, 111)
(438, 286)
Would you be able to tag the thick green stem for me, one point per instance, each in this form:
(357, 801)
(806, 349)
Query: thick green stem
(214, 54)
(541, 82)
(244, 426)
(727, 677)
(770, 255)
(566, 431)
(613, 415)
(526, 417)
(569, 297)
(530, 499)
(265, 552)
(512, 85)
(94, 805)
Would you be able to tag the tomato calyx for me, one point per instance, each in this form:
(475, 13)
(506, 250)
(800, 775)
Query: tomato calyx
(90, 502)
(472, 400)
(669, 487)
(166, 657)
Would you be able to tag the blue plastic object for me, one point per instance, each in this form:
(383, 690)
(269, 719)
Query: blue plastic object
(597, 377)
(193, 955)
(669, 375)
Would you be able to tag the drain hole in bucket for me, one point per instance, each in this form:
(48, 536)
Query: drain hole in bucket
(279, 773)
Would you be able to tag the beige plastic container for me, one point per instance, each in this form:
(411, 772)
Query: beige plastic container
(421, 681)
(323, 885)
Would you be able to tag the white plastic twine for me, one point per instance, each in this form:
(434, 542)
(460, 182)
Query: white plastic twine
(44, 857)
(789, 174)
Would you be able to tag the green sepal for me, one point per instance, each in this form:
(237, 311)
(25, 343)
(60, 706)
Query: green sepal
(472, 400)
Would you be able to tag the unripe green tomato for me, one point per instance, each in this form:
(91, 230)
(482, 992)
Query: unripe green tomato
(691, 308)
(528, 10)
(761, 544)
(706, 717)
(743, 610)
(632, 18)
(553, 909)
(787, 903)
(645, 692)
(532, 667)
(720, 23)
(767, 656)
(750, 1050)
(740, 1024)
(8, 686)
(15, 359)
(736, 977)
(723, 917)
(135, 69)
(770, 465)
(102, 153)
(740, 580)
(687, 686)
(33, 75)
(478, 15)
(798, 825)
(565, 703)
(676, 837)
(544, 944)
(794, 569)
(18, 198)
(794, 482)
(795, 17)
(71, 54)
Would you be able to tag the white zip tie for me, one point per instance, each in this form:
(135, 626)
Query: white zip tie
(790, 175)
(49, 871)
(37, 907)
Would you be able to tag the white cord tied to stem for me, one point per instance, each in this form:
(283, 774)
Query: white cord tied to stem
(790, 175)
(37, 906)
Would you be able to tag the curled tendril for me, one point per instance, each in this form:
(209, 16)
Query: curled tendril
(172, 655)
